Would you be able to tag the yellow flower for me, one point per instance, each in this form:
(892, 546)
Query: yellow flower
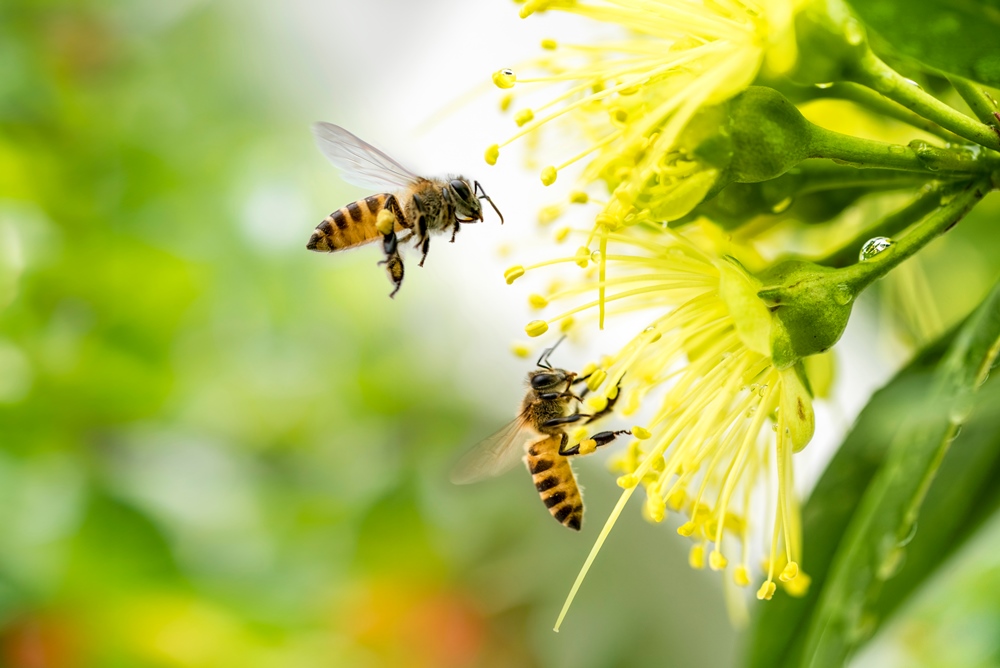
(726, 420)
(646, 102)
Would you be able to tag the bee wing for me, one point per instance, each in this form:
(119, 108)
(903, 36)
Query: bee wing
(493, 455)
(361, 163)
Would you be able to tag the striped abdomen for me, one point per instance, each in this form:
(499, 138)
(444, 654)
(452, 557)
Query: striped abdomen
(555, 481)
(350, 226)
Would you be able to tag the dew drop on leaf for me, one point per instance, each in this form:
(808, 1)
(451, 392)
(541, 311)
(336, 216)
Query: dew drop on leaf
(873, 247)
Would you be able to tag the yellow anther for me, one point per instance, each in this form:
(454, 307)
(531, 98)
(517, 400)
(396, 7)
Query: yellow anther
(549, 175)
(588, 369)
(524, 116)
(716, 561)
(766, 591)
(504, 78)
(596, 378)
(587, 446)
(385, 221)
(520, 349)
(687, 529)
(597, 402)
(582, 257)
(549, 214)
(630, 90)
(537, 301)
(799, 586)
(549, 44)
(513, 273)
(619, 115)
(789, 572)
(627, 481)
(696, 558)
(566, 324)
(659, 464)
(677, 498)
(578, 435)
(641, 433)
(579, 197)
(506, 101)
(741, 577)
(536, 328)
(561, 234)
(656, 512)
(492, 153)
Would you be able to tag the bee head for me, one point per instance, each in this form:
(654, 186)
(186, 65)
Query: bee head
(543, 380)
(466, 197)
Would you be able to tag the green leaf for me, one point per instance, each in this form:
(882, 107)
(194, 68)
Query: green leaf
(863, 511)
(955, 37)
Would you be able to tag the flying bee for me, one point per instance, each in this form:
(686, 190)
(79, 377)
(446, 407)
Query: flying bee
(546, 411)
(419, 206)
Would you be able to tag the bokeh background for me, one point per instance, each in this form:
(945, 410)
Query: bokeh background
(218, 449)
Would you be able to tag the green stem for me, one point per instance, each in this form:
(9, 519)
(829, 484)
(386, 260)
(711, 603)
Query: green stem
(873, 73)
(890, 225)
(882, 106)
(919, 156)
(981, 103)
(821, 176)
(859, 276)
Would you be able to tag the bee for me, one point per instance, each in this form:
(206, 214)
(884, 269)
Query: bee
(546, 411)
(419, 206)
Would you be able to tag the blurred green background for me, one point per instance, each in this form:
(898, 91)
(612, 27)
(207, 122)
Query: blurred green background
(218, 449)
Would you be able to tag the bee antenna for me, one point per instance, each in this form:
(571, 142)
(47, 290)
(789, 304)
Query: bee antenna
(486, 197)
(543, 361)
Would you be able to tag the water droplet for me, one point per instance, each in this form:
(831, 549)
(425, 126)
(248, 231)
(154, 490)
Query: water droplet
(823, 86)
(782, 206)
(596, 257)
(912, 82)
(961, 409)
(873, 247)
(842, 294)
(897, 149)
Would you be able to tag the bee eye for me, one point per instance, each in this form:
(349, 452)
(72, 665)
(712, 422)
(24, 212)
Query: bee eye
(543, 380)
(461, 189)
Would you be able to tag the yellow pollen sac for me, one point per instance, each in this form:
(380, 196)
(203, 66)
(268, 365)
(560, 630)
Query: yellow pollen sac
(579, 197)
(492, 153)
(766, 591)
(578, 435)
(687, 529)
(536, 328)
(561, 234)
(504, 78)
(524, 116)
(385, 221)
(550, 44)
(627, 481)
(537, 301)
(798, 587)
(514, 273)
(549, 175)
(696, 558)
(587, 446)
(588, 369)
(582, 257)
(596, 378)
(612, 392)
(740, 576)
(619, 115)
(716, 561)
(597, 403)
(505, 102)
(789, 572)
(520, 349)
(657, 512)
(658, 465)
(549, 214)
(678, 498)
(566, 324)
(641, 433)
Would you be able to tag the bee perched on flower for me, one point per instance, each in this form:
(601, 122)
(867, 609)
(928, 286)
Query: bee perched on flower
(697, 160)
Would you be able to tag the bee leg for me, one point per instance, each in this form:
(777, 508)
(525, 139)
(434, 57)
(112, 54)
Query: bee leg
(454, 231)
(607, 409)
(565, 419)
(599, 439)
(393, 262)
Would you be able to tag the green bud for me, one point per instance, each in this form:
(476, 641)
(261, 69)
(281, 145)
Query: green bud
(810, 305)
(769, 135)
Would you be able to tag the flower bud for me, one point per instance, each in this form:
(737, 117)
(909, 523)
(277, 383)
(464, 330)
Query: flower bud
(769, 135)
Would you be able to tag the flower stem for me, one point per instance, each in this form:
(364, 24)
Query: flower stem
(882, 106)
(859, 276)
(981, 103)
(878, 76)
(890, 225)
(919, 156)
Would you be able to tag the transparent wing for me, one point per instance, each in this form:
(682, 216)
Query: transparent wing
(493, 455)
(361, 163)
